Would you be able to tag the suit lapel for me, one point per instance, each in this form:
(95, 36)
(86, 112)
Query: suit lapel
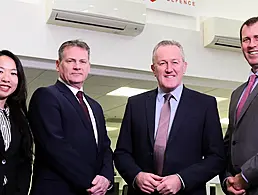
(182, 110)
(250, 98)
(150, 114)
(15, 136)
(235, 100)
(2, 146)
(72, 99)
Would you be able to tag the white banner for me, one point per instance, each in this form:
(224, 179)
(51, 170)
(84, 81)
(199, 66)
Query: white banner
(183, 7)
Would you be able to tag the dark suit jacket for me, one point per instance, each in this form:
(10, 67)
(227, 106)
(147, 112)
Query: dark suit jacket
(195, 133)
(14, 164)
(241, 139)
(67, 157)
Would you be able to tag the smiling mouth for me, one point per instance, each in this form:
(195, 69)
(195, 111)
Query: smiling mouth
(253, 52)
(169, 76)
(5, 87)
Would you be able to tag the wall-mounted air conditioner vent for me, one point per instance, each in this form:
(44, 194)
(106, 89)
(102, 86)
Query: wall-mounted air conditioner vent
(222, 33)
(113, 16)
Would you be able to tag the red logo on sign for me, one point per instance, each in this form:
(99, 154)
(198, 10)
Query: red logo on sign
(152, 0)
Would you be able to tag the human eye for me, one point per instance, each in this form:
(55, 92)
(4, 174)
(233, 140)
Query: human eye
(69, 60)
(162, 63)
(245, 40)
(83, 61)
(14, 73)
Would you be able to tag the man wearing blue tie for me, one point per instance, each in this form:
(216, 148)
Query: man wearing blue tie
(72, 149)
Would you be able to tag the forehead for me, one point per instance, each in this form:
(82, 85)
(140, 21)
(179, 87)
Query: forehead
(75, 52)
(168, 51)
(7, 62)
(250, 30)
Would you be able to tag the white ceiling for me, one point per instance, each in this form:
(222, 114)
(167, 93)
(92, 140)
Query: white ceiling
(98, 86)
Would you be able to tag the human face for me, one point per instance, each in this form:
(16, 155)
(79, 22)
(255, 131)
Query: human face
(8, 77)
(250, 45)
(168, 67)
(74, 67)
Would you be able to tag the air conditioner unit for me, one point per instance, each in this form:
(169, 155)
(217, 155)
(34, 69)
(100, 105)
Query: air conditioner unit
(221, 33)
(125, 17)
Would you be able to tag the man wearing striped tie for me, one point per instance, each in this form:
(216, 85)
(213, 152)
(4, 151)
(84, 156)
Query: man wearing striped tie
(241, 139)
(170, 140)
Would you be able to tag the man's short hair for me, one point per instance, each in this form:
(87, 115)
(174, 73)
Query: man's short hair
(248, 22)
(167, 43)
(72, 43)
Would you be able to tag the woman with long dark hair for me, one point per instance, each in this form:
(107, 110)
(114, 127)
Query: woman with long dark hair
(15, 135)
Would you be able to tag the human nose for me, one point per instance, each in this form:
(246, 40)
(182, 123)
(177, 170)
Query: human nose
(5, 77)
(252, 43)
(169, 67)
(77, 65)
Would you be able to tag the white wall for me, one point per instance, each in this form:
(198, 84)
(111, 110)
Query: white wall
(25, 32)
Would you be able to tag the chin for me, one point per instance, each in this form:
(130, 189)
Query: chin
(168, 88)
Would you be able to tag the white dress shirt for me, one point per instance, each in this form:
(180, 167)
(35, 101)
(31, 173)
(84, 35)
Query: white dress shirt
(93, 121)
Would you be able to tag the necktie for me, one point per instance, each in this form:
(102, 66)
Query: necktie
(162, 132)
(79, 95)
(246, 94)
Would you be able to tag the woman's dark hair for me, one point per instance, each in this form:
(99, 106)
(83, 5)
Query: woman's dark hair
(17, 104)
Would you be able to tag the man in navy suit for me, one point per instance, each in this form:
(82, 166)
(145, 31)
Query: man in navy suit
(72, 149)
(176, 152)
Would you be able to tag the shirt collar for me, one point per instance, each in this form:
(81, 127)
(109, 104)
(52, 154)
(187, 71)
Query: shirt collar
(176, 93)
(73, 89)
(6, 110)
(252, 73)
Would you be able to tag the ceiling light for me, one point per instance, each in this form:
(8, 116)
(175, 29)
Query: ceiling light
(85, 10)
(111, 128)
(91, 5)
(126, 91)
(115, 9)
(220, 99)
(224, 121)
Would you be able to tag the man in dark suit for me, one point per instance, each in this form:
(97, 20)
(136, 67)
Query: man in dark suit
(241, 138)
(170, 140)
(72, 149)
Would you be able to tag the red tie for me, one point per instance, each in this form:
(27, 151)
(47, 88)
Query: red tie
(162, 132)
(80, 95)
(246, 94)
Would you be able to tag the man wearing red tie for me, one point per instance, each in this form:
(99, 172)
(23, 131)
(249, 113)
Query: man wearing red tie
(170, 140)
(241, 139)
(72, 149)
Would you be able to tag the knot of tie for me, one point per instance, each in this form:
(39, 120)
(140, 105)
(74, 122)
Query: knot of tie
(168, 96)
(79, 95)
(252, 78)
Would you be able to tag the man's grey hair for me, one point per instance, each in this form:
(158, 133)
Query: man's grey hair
(167, 43)
(72, 43)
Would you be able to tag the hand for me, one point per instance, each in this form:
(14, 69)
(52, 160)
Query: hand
(230, 184)
(240, 183)
(100, 185)
(147, 182)
(169, 185)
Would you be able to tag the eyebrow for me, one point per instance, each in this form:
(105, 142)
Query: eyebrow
(7, 68)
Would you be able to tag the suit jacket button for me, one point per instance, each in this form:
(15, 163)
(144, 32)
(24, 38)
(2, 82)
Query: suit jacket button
(4, 162)
(151, 153)
(233, 142)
